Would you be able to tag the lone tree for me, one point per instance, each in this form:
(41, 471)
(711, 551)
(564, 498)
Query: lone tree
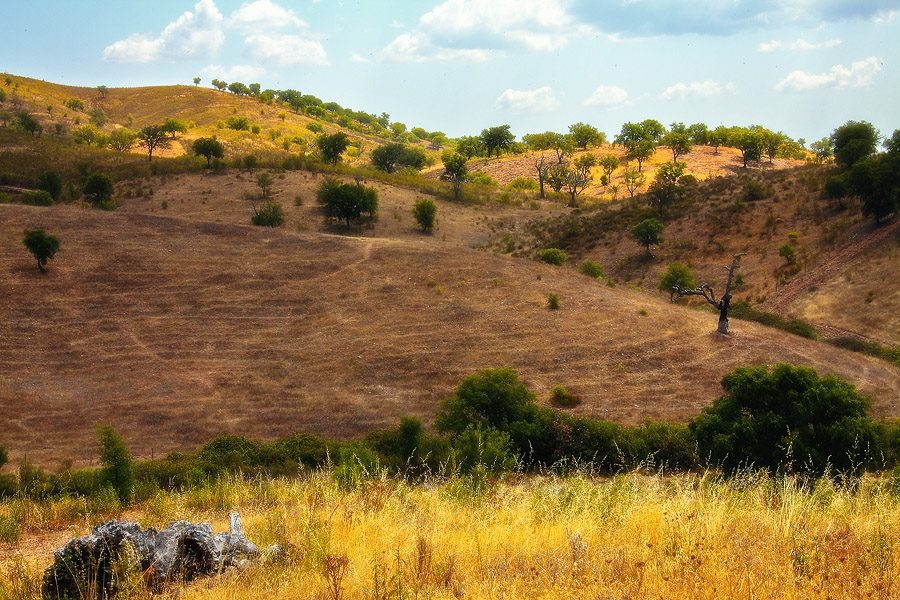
(647, 233)
(425, 211)
(98, 187)
(208, 147)
(346, 201)
(117, 471)
(707, 292)
(153, 137)
(42, 245)
(455, 171)
(332, 146)
(393, 157)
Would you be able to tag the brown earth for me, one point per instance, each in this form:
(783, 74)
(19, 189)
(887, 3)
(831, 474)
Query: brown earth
(175, 325)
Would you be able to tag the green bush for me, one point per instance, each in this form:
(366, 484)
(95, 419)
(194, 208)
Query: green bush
(786, 419)
(678, 274)
(228, 453)
(4, 198)
(591, 269)
(51, 183)
(270, 214)
(37, 198)
(356, 464)
(482, 178)
(118, 468)
(493, 397)
(525, 184)
(425, 211)
(552, 256)
(484, 448)
(743, 310)
(561, 397)
(238, 123)
(553, 301)
(315, 127)
(788, 253)
(753, 190)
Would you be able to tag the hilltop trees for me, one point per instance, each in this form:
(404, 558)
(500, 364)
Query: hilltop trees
(153, 137)
(678, 140)
(584, 135)
(209, 148)
(41, 245)
(853, 141)
(749, 140)
(496, 139)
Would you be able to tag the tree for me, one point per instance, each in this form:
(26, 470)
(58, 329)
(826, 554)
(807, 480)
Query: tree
(876, 180)
(853, 141)
(785, 419)
(647, 233)
(822, 149)
(332, 146)
(709, 295)
(254, 89)
(717, 137)
(209, 148)
(118, 468)
(174, 126)
(679, 276)
(89, 135)
(391, 157)
(238, 123)
(750, 141)
(270, 214)
(25, 121)
(346, 202)
(121, 139)
(103, 90)
(98, 116)
(51, 183)
(679, 142)
(492, 398)
(665, 188)
(496, 139)
(633, 180)
(469, 146)
(197, 81)
(219, 84)
(699, 133)
(75, 104)
(153, 137)
(584, 135)
(578, 176)
(265, 182)
(540, 142)
(456, 171)
(641, 151)
(425, 211)
(609, 164)
(98, 187)
(41, 245)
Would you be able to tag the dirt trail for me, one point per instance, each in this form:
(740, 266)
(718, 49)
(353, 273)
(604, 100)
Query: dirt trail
(784, 298)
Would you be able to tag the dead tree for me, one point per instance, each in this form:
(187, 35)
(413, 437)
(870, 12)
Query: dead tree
(707, 292)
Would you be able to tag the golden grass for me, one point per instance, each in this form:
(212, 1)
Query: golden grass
(543, 537)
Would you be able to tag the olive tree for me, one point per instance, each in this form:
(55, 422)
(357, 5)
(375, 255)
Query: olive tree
(153, 137)
(42, 245)
(209, 148)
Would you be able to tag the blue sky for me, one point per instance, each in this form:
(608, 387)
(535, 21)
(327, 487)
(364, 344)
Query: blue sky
(799, 66)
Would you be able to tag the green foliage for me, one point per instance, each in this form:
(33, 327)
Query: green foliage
(786, 419)
(26, 122)
(393, 157)
(485, 448)
(270, 214)
(853, 141)
(584, 135)
(332, 146)
(876, 180)
(753, 191)
(591, 269)
(238, 123)
(678, 274)
(743, 310)
(553, 301)
(98, 117)
(425, 211)
(209, 148)
(89, 136)
(121, 139)
(4, 457)
(41, 245)
(315, 127)
(225, 453)
(152, 137)
(118, 468)
(525, 184)
(888, 353)
(496, 139)
(356, 465)
(265, 182)
(346, 202)
(492, 398)
(75, 104)
(559, 396)
(648, 233)
(37, 198)
(552, 256)
(98, 188)
(788, 253)
(456, 171)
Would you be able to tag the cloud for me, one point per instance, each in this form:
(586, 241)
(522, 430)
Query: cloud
(474, 29)
(418, 48)
(860, 74)
(798, 45)
(769, 46)
(539, 100)
(696, 89)
(641, 18)
(263, 15)
(235, 73)
(196, 34)
(356, 58)
(610, 96)
(285, 50)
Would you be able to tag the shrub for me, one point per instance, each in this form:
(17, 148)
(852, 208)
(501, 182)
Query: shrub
(552, 256)
(526, 184)
(250, 161)
(118, 468)
(494, 398)
(484, 448)
(255, 129)
(228, 453)
(482, 178)
(553, 301)
(315, 127)
(678, 274)
(561, 397)
(356, 464)
(753, 190)
(270, 214)
(425, 211)
(238, 123)
(37, 198)
(4, 198)
(591, 269)
(787, 251)
(785, 419)
(41, 245)
(98, 188)
(51, 183)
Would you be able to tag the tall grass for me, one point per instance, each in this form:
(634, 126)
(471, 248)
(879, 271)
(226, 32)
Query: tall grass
(632, 536)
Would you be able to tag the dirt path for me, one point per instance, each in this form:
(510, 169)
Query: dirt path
(784, 298)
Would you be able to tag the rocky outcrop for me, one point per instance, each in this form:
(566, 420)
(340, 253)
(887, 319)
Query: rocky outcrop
(114, 552)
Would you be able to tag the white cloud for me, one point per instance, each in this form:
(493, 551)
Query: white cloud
(356, 58)
(696, 89)
(418, 48)
(195, 34)
(803, 45)
(473, 29)
(285, 49)
(235, 73)
(608, 95)
(860, 74)
(769, 46)
(538, 100)
(263, 15)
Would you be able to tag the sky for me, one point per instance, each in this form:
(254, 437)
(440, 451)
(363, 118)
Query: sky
(803, 67)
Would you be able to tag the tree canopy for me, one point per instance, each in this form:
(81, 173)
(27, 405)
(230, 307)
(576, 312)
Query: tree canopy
(853, 141)
(332, 146)
(153, 137)
(496, 139)
(395, 156)
(346, 201)
(648, 233)
(41, 245)
(209, 148)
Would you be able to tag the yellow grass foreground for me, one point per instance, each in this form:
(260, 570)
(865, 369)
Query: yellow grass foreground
(530, 537)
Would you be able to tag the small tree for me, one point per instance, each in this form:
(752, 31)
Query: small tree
(788, 253)
(121, 139)
(648, 233)
(552, 256)
(196, 81)
(455, 171)
(425, 211)
(42, 245)
(609, 164)
(707, 292)
(332, 146)
(345, 201)
(677, 276)
(496, 139)
(270, 214)
(265, 182)
(633, 180)
(173, 126)
(118, 470)
(98, 187)
(153, 137)
(209, 148)
(492, 398)
(584, 135)
(52, 184)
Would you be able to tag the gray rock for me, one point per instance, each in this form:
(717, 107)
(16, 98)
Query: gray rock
(180, 552)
